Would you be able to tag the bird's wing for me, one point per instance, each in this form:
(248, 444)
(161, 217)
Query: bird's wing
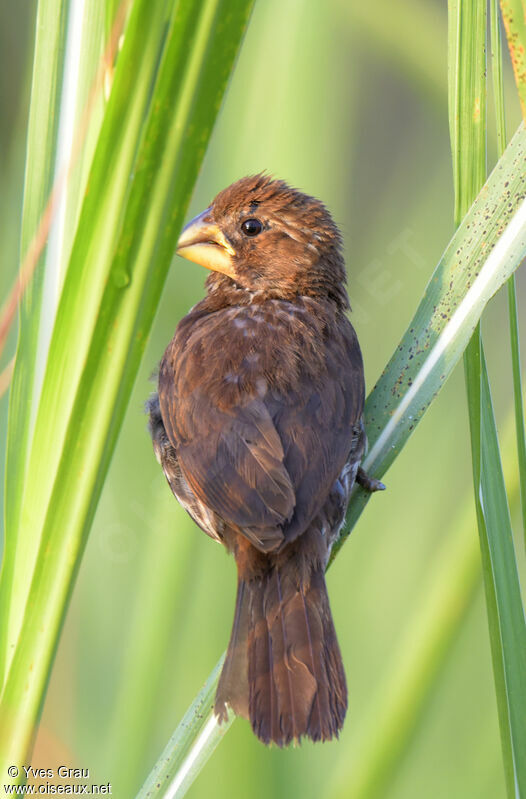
(233, 462)
(321, 429)
(263, 460)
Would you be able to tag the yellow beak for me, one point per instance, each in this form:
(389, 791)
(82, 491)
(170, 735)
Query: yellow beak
(202, 242)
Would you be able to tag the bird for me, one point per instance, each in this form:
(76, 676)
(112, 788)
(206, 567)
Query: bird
(258, 426)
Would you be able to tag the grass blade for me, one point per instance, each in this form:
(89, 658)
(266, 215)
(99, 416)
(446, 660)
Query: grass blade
(23, 533)
(467, 80)
(493, 531)
(485, 250)
(45, 93)
(508, 635)
(498, 93)
(514, 16)
(61, 162)
(400, 703)
(496, 72)
(190, 746)
(517, 394)
(467, 100)
(169, 81)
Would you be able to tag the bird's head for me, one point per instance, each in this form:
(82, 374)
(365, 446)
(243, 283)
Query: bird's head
(268, 237)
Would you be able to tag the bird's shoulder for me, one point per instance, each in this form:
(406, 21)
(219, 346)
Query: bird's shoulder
(269, 345)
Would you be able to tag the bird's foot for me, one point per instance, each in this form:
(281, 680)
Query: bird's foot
(369, 483)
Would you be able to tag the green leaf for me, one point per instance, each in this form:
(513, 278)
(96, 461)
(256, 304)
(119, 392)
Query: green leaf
(498, 93)
(403, 698)
(514, 16)
(507, 624)
(467, 81)
(496, 72)
(518, 394)
(493, 531)
(58, 50)
(485, 250)
(169, 80)
(467, 99)
(42, 132)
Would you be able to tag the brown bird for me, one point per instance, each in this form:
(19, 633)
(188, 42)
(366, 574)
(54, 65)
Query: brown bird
(258, 427)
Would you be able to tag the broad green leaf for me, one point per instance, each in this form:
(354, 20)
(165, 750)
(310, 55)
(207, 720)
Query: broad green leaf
(43, 121)
(31, 490)
(69, 41)
(169, 80)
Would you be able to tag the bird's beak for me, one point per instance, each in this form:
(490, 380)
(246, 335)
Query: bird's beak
(203, 242)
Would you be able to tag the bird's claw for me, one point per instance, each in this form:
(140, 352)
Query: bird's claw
(369, 483)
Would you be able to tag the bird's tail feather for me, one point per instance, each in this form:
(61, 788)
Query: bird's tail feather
(283, 670)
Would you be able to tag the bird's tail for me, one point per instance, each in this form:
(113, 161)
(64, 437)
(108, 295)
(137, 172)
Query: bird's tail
(283, 669)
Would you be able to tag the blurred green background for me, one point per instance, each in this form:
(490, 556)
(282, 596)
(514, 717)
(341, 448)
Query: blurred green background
(348, 103)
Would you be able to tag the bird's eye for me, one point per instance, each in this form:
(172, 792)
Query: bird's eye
(251, 227)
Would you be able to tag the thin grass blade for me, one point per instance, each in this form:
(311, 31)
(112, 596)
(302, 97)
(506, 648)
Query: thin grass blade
(514, 17)
(518, 395)
(190, 747)
(401, 701)
(510, 632)
(498, 94)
